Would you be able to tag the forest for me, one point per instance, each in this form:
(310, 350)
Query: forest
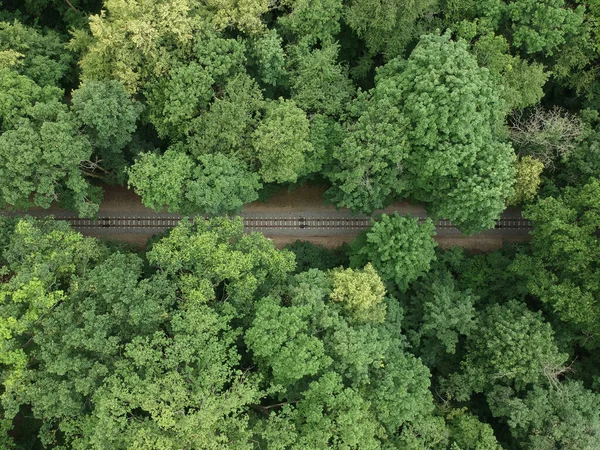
(213, 338)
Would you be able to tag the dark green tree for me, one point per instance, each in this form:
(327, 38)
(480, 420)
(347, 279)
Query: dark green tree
(387, 26)
(509, 346)
(565, 416)
(109, 117)
(562, 269)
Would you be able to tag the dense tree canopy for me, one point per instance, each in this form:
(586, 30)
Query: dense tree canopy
(212, 338)
(432, 130)
(562, 268)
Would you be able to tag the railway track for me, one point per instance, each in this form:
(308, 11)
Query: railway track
(268, 223)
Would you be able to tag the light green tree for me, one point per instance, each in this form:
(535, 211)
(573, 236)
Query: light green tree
(135, 41)
(527, 183)
(361, 292)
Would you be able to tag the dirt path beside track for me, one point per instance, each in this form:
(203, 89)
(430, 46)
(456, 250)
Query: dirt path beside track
(303, 201)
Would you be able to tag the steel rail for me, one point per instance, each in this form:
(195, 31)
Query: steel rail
(267, 223)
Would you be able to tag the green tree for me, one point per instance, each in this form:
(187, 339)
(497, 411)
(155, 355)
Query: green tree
(269, 58)
(562, 269)
(523, 81)
(361, 292)
(107, 112)
(387, 26)
(329, 414)
(541, 26)
(280, 339)
(564, 417)
(161, 180)
(432, 129)
(216, 184)
(181, 387)
(109, 117)
(134, 42)
(42, 55)
(366, 167)
(468, 433)
(39, 259)
(399, 247)
(228, 124)
(438, 316)
(219, 249)
(245, 15)
(313, 20)
(18, 94)
(509, 346)
(281, 142)
(42, 159)
(174, 102)
(447, 129)
(318, 83)
(527, 183)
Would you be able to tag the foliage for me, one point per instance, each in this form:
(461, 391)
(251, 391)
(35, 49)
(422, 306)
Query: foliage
(175, 101)
(527, 183)
(309, 255)
(39, 260)
(227, 126)
(541, 26)
(18, 94)
(313, 20)
(361, 292)
(216, 184)
(40, 160)
(366, 168)
(269, 58)
(438, 316)
(42, 56)
(562, 269)
(213, 338)
(106, 109)
(547, 135)
(565, 417)
(423, 133)
(167, 341)
(523, 81)
(467, 432)
(134, 41)
(510, 346)
(109, 118)
(281, 142)
(387, 26)
(399, 247)
(318, 83)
